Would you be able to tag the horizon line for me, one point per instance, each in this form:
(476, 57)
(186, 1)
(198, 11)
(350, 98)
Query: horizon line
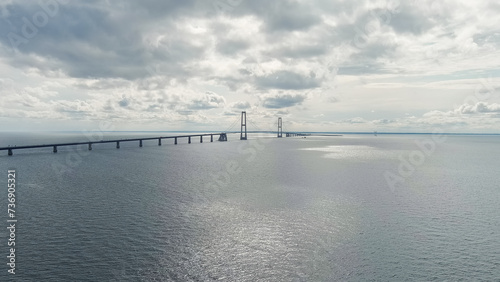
(264, 131)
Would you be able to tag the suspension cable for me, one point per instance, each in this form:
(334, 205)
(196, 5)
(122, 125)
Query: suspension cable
(232, 125)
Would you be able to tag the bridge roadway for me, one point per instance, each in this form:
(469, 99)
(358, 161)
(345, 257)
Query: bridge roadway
(10, 149)
(222, 137)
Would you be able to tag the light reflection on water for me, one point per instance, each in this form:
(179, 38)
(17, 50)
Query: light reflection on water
(358, 152)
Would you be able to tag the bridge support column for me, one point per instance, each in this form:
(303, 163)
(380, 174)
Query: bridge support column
(140, 143)
(211, 138)
(280, 128)
(223, 137)
(243, 125)
(90, 146)
(175, 142)
(201, 139)
(189, 139)
(55, 149)
(159, 141)
(10, 152)
(117, 145)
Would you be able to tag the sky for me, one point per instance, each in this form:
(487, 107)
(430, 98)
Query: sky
(321, 65)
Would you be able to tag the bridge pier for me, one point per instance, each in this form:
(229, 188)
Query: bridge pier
(211, 138)
(55, 149)
(10, 152)
(159, 141)
(189, 139)
(90, 146)
(201, 138)
(175, 142)
(117, 145)
(140, 143)
(223, 137)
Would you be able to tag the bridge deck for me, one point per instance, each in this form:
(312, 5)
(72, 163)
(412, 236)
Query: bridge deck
(222, 137)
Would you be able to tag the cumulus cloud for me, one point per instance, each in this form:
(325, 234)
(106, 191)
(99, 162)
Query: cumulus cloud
(282, 100)
(241, 105)
(480, 107)
(209, 100)
(383, 121)
(355, 120)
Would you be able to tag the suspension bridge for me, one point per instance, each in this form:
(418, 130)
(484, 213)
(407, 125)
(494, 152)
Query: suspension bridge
(222, 137)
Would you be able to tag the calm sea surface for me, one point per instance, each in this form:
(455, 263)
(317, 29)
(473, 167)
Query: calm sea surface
(266, 209)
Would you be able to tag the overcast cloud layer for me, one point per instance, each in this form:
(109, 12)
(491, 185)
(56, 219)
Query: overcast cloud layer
(322, 65)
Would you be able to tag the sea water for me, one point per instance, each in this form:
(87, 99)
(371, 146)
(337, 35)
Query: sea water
(321, 208)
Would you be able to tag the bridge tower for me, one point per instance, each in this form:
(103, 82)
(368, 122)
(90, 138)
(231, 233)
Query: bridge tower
(243, 125)
(280, 128)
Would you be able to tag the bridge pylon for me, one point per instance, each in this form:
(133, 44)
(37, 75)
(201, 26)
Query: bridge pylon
(280, 127)
(243, 126)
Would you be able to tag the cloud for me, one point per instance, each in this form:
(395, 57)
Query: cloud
(180, 61)
(229, 113)
(232, 47)
(383, 121)
(241, 105)
(282, 100)
(73, 107)
(284, 16)
(283, 112)
(209, 100)
(409, 20)
(124, 102)
(479, 108)
(300, 51)
(355, 120)
(100, 41)
(286, 80)
(480, 117)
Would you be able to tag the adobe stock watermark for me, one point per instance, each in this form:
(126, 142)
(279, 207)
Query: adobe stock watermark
(12, 220)
(75, 157)
(325, 73)
(233, 168)
(383, 16)
(157, 71)
(159, 43)
(32, 25)
(409, 163)
(483, 91)
(225, 6)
